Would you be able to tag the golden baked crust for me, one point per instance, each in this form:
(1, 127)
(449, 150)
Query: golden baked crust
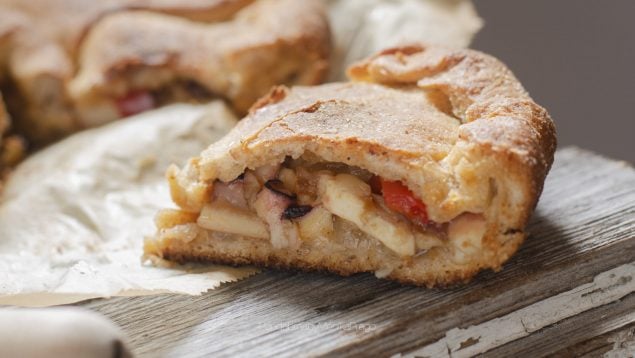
(454, 125)
(47, 37)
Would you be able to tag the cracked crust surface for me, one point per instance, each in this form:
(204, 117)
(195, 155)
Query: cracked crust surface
(65, 55)
(454, 125)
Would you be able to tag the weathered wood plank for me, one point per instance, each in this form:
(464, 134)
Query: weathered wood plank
(617, 343)
(606, 288)
(584, 225)
(586, 333)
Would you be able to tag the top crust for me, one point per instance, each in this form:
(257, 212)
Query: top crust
(454, 125)
(499, 118)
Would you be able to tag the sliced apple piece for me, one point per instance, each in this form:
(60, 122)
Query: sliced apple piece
(222, 216)
(425, 241)
(267, 172)
(466, 234)
(289, 179)
(395, 235)
(252, 186)
(344, 195)
(350, 198)
(317, 223)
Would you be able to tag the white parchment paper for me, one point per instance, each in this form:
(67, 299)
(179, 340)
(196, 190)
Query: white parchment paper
(73, 216)
(363, 27)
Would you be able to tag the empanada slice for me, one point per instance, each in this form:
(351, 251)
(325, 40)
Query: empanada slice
(425, 169)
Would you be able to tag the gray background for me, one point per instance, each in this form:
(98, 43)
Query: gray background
(577, 59)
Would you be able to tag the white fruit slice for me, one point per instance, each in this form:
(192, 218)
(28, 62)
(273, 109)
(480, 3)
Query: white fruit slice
(289, 179)
(223, 217)
(317, 223)
(466, 234)
(350, 198)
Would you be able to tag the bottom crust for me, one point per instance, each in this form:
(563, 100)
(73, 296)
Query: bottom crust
(349, 252)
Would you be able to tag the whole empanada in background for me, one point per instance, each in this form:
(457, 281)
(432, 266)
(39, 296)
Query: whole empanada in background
(74, 64)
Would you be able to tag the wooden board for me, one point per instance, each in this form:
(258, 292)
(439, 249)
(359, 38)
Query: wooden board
(569, 290)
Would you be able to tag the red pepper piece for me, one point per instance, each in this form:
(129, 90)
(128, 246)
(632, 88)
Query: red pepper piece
(135, 102)
(400, 199)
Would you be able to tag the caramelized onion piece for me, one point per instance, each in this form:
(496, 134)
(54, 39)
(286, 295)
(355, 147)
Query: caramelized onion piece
(276, 186)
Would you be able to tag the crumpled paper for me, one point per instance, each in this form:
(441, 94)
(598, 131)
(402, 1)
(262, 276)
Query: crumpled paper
(363, 27)
(73, 217)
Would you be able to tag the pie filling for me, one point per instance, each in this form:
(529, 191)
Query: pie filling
(137, 101)
(300, 199)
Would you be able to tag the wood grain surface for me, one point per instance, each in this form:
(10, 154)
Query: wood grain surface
(570, 290)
